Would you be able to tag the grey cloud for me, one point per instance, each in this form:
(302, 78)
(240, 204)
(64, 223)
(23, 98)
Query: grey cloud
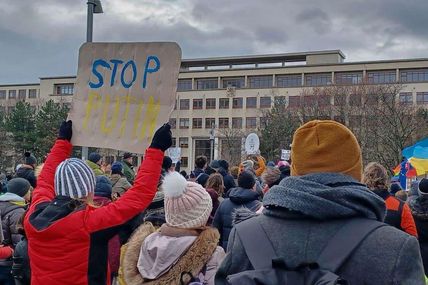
(316, 19)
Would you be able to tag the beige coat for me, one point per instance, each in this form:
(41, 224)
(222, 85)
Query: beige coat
(119, 184)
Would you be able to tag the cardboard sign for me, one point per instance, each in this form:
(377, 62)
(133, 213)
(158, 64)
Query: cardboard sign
(285, 154)
(175, 154)
(252, 144)
(123, 93)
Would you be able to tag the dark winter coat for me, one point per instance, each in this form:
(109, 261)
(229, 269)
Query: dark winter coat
(419, 209)
(216, 203)
(66, 239)
(228, 180)
(128, 171)
(12, 207)
(21, 270)
(27, 172)
(238, 198)
(303, 213)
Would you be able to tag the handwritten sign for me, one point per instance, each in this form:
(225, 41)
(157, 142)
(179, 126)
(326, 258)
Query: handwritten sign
(123, 93)
(252, 144)
(285, 154)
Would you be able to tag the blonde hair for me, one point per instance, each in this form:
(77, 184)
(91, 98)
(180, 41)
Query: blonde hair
(375, 176)
(89, 201)
(215, 181)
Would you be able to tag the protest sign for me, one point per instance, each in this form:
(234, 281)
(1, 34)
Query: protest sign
(252, 144)
(123, 93)
(175, 154)
(285, 154)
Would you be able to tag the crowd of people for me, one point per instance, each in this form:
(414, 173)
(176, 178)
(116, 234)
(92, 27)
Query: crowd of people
(319, 216)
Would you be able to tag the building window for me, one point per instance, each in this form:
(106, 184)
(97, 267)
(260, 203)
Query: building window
(207, 83)
(292, 80)
(2, 94)
(12, 94)
(174, 142)
(183, 142)
(238, 82)
(406, 98)
(184, 161)
(279, 100)
(224, 103)
(184, 104)
(422, 98)
(237, 123)
(32, 93)
(265, 102)
(184, 123)
(251, 102)
(340, 100)
(237, 103)
(348, 77)
(210, 103)
(184, 84)
(415, 75)
(197, 123)
(22, 94)
(251, 123)
(197, 104)
(223, 123)
(355, 100)
(262, 81)
(173, 123)
(378, 77)
(209, 123)
(294, 101)
(64, 89)
(317, 79)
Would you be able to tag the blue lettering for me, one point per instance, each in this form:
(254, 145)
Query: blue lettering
(97, 74)
(115, 62)
(134, 74)
(150, 70)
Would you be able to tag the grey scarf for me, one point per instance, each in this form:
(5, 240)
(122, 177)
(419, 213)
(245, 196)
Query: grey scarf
(326, 196)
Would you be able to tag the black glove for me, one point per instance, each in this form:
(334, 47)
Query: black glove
(65, 131)
(163, 138)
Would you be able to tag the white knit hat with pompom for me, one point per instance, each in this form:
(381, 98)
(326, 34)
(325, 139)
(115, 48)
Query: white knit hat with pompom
(187, 204)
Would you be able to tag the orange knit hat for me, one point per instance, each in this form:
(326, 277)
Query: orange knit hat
(325, 146)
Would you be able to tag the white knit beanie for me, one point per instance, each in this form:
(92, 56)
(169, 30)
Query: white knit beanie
(187, 204)
(74, 178)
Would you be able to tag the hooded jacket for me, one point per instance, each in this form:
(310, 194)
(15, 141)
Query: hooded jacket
(119, 184)
(419, 209)
(159, 257)
(128, 172)
(303, 213)
(238, 198)
(12, 207)
(67, 241)
(27, 172)
(95, 168)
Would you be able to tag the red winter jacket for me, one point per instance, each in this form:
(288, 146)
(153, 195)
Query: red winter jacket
(62, 235)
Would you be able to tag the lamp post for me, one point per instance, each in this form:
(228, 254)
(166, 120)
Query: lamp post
(94, 7)
(212, 138)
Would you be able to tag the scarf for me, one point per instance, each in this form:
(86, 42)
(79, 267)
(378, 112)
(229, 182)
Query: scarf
(325, 196)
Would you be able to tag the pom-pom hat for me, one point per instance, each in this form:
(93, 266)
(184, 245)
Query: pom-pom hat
(187, 204)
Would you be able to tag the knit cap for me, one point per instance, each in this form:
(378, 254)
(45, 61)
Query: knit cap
(103, 187)
(116, 168)
(187, 204)
(247, 164)
(18, 186)
(325, 146)
(94, 157)
(74, 178)
(246, 180)
(29, 159)
(423, 187)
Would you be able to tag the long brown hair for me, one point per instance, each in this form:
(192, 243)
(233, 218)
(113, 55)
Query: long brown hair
(215, 181)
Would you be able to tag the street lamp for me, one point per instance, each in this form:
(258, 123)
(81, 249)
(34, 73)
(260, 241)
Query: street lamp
(94, 6)
(212, 140)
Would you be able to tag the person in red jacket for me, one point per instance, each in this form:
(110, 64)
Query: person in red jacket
(398, 213)
(67, 234)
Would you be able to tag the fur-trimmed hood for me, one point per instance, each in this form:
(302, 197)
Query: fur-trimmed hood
(199, 253)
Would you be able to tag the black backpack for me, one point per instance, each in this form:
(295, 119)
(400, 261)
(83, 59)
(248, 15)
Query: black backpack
(270, 269)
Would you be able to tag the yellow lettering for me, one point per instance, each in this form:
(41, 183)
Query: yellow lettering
(128, 100)
(137, 119)
(150, 118)
(93, 104)
(104, 128)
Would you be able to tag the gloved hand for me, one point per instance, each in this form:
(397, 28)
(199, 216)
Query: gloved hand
(162, 138)
(65, 131)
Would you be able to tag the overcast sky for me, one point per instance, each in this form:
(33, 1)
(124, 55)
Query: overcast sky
(42, 37)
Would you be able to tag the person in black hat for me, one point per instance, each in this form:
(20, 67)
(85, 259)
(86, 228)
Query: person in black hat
(94, 161)
(128, 167)
(26, 170)
(118, 180)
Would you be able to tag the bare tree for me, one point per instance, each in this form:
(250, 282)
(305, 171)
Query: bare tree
(231, 144)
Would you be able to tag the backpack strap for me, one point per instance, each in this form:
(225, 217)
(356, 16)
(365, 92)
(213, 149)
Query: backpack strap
(345, 241)
(256, 243)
